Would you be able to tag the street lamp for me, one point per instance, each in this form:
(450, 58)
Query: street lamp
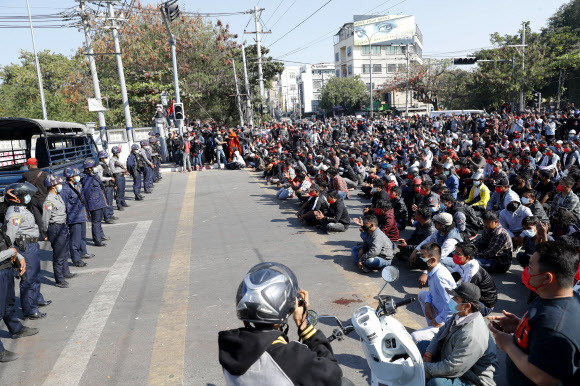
(362, 31)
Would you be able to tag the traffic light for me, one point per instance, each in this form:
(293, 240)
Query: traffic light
(171, 9)
(460, 61)
(178, 110)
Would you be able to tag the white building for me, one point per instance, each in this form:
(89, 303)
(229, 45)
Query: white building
(394, 40)
(288, 91)
(311, 80)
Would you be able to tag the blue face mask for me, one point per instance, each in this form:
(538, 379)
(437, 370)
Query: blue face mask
(434, 209)
(442, 207)
(529, 232)
(453, 306)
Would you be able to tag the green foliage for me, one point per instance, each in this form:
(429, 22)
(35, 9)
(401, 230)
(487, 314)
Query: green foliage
(349, 93)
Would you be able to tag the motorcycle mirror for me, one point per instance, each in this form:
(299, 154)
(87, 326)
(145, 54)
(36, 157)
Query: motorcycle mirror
(390, 274)
(312, 317)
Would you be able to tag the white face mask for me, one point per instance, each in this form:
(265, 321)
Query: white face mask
(476, 183)
(27, 198)
(58, 188)
(95, 170)
(77, 178)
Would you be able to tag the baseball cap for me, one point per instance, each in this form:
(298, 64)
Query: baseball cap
(443, 218)
(466, 291)
(502, 181)
(32, 161)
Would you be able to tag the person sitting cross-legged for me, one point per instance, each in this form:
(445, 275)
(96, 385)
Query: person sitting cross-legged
(494, 248)
(376, 250)
(337, 218)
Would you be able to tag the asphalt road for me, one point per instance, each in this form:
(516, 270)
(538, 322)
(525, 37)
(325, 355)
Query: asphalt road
(148, 307)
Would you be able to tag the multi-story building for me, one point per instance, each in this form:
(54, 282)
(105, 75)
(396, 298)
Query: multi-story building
(311, 80)
(379, 48)
(289, 101)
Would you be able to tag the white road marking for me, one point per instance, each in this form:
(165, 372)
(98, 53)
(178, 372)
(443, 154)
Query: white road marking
(74, 358)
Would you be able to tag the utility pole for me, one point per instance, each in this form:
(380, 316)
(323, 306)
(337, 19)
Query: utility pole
(250, 113)
(126, 110)
(524, 24)
(171, 7)
(407, 86)
(238, 93)
(559, 90)
(259, 50)
(371, 74)
(93, 68)
(40, 86)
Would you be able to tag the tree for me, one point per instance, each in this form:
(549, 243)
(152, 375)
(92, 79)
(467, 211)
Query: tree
(349, 93)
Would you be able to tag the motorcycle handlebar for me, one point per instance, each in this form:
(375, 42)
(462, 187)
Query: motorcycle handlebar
(405, 302)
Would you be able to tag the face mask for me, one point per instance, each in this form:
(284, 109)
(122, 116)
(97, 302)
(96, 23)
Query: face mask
(495, 170)
(365, 228)
(426, 261)
(560, 188)
(457, 260)
(58, 188)
(27, 198)
(392, 196)
(374, 190)
(549, 153)
(434, 209)
(447, 172)
(525, 200)
(377, 212)
(529, 232)
(476, 183)
(95, 170)
(453, 306)
(442, 207)
(526, 279)
(312, 194)
(423, 192)
(498, 190)
(77, 178)
(417, 189)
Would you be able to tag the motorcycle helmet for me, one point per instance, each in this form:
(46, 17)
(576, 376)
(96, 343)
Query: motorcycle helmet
(52, 180)
(70, 172)
(267, 294)
(16, 193)
(134, 147)
(116, 150)
(144, 143)
(103, 154)
(89, 163)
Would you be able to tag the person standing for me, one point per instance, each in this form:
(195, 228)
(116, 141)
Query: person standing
(119, 172)
(145, 156)
(106, 176)
(23, 232)
(36, 177)
(94, 194)
(219, 152)
(54, 225)
(135, 165)
(186, 151)
(8, 255)
(76, 217)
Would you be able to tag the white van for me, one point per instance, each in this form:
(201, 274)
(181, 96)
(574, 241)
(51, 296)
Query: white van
(446, 113)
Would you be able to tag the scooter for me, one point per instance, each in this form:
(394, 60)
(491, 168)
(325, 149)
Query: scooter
(393, 357)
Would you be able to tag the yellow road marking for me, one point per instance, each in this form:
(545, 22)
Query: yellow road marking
(362, 285)
(168, 356)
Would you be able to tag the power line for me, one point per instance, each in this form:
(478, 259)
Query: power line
(302, 22)
(273, 13)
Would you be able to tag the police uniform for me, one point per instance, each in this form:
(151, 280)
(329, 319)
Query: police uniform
(155, 155)
(119, 169)
(76, 219)
(94, 194)
(136, 167)
(106, 176)
(56, 229)
(23, 232)
(7, 293)
(148, 171)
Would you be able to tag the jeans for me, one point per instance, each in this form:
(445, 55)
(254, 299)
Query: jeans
(197, 161)
(284, 193)
(185, 161)
(342, 194)
(373, 262)
(220, 156)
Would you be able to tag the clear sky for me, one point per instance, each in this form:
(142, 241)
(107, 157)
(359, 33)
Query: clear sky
(450, 27)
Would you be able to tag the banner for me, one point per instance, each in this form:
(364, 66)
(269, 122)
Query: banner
(385, 30)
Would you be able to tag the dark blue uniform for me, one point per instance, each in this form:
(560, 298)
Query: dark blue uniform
(148, 180)
(76, 219)
(94, 194)
(54, 223)
(136, 172)
(7, 293)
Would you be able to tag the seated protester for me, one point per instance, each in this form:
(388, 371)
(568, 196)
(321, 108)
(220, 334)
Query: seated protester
(511, 220)
(464, 217)
(566, 198)
(337, 183)
(377, 193)
(376, 250)
(494, 247)
(563, 222)
(386, 216)
(545, 346)
(479, 193)
(463, 351)
(519, 184)
(423, 229)
(529, 199)
(413, 198)
(318, 201)
(434, 300)
(349, 176)
(260, 352)
(300, 185)
(430, 199)
(446, 235)
(545, 187)
(337, 218)
(531, 237)
(399, 207)
(237, 162)
(502, 195)
(452, 181)
(468, 270)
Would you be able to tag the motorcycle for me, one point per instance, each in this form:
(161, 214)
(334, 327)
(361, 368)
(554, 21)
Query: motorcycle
(393, 357)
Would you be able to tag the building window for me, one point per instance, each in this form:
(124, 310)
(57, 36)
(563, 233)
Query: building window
(377, 68)
(349, 70)
(394, 50)
(349, 51)
(366, 68)
(316, 84)
(366, 50)
(376, 50)
(391, 68)
(336, 56)
(292, 75)
(337, 73)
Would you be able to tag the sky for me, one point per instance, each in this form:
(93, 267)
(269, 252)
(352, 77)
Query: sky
(450, 28)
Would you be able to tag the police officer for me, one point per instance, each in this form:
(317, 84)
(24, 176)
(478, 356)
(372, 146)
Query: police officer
(54, 225)
(36, 177)
(136, 167)
(106, 176)
(23, 232)
(76, 216)
(94, 194)
(156, 156)
(119, 172)
(8, 255)
(148, 170)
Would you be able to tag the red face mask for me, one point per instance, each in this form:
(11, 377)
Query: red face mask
(548, 153)
(312, 194)
(476, 154)
(489, 161)
(495, 170)
(566, 150)
(377, 211)
(526, 279)
(557, 146)
(534, 149)
(423, 192)
(498, 190)
(457, 260)
(560, 188)
(392, 196)
(417, 189)
(410, 176)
